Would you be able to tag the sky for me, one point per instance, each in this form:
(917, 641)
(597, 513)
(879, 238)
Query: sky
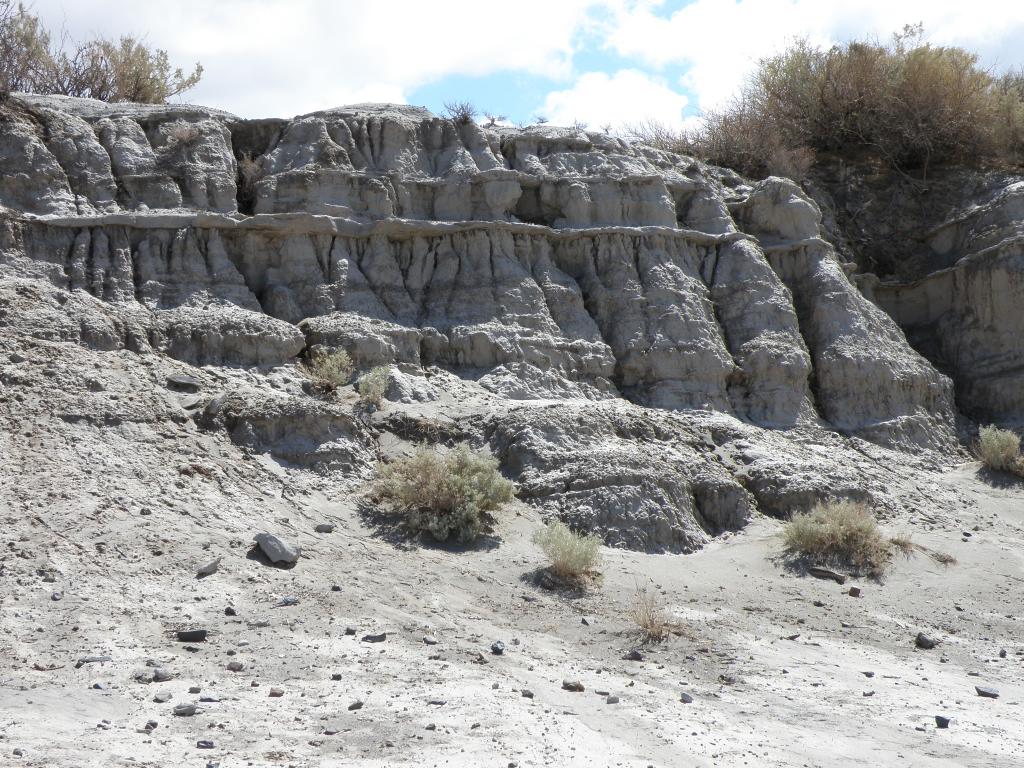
(598, 62)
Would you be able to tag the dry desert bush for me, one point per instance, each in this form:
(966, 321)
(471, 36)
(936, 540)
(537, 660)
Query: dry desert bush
(462, 112)
(183, 133)
(999, 449)
(842, 533)
(447, 495)
(906, 103)
(328, 369)
(572, 555)
(250, 171)
(32, 60)
(373, 385)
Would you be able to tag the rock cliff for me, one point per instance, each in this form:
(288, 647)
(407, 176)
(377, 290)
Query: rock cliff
(654, 348)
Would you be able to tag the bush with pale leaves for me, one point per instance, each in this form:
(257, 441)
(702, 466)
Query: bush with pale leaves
(572, 555)
(447, 495)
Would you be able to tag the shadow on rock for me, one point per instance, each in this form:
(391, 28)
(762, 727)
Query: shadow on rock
(258, 555)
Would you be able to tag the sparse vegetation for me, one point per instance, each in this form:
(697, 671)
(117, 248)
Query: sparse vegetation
(650, 616)
(329, 369)
(250, 171)
(461, 112)
(843, 533)
(373, 385)
(903, 544)
(493, 119)
(183, 133)
(907, 547)
(122, 70)
(572, 555)
(943, 558)
(905, 103)
(999, 449)
(448, 495)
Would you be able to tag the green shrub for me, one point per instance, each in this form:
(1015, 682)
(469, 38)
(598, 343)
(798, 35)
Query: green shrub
(444, 494)
(329, 370)
(572, 555)
(999, 449)
(373, 385)
(841, 533)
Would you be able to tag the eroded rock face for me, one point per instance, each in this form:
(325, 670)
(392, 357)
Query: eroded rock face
(967, 317)
(591, 296)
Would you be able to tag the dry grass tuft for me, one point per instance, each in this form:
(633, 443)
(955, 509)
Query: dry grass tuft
(183, 133)
(842, 533)
(650, 616)
(572, 555)
(940, 557)
(444, 494)
(999, 449)
(903, 544)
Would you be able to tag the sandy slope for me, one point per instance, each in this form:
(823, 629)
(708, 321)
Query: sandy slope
(119, 524)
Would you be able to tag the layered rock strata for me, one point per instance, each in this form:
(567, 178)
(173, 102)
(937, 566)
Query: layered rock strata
(538, 266)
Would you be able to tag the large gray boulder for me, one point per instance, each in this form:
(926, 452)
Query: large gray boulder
(277, 550)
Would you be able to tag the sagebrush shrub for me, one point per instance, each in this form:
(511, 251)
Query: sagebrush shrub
(999, 449)
(839, 532)
(329, 369)
(572, 555)
(109, 70)
(445, 494)
(906, 103)
(373, 385)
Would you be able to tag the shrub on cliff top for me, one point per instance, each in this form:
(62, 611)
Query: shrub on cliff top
(906, 103)
(109, 70)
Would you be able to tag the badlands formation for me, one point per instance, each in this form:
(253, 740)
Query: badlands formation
(655, 350)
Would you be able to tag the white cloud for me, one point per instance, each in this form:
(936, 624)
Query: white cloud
(283, 57)
(627, 96)
(718, 42)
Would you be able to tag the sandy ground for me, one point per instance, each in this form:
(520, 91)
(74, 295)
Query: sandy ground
(103, 530)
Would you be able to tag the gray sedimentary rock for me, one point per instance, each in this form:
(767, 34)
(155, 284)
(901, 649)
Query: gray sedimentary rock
(627, 328)
(276, 550)
(967, 316)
